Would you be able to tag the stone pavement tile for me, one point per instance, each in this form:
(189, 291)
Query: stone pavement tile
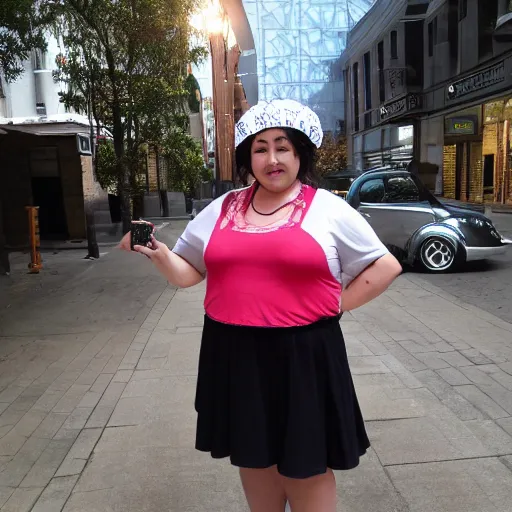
(112, 394)
(505, 424)
(99, 417)
(10, 394)
(414, 348)
(66, 434)
(44, 469)
(101, 383)
(401, 372)
(89, 400)
(476, 375)
(151, 363)
(122, 376)
(11, 443)
(55, 495)
(377, 405)
(10, 417)
(502, 396)
(475, 356)
(176, 431)
(24, 403)
(5, 494)
(367, 365)
(506, 367)
(453, 376)
(491, 436)
(29, 422)
(85, 443)
(48, 400)
(405, 358)
(386, 380)
(417, 440)
(367, 488)
(183, 354)
(22, 500)
(151, 374)
(50, 425)
(356, 348)
(16, 470)
(71, 398)
(433, 360)
(503, 378)
(78, 418)
(455, 359)
(145, 409)
(482, 402)
(449, 396)
(479, 485)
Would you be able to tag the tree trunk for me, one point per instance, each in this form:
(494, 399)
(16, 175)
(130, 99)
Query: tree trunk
(123, 184)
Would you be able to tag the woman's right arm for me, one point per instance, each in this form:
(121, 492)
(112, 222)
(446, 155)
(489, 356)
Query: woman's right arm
(174, 268)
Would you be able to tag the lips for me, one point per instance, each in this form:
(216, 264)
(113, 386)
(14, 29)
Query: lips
(275, 172)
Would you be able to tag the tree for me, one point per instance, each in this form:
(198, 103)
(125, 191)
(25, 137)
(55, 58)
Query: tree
(22, 29)
(185, 162)
(125, 65)
(332, 155)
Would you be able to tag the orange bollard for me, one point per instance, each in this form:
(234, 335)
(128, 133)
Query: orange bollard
(35, 264)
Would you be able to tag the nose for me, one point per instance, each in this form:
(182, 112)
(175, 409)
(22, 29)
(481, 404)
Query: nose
(272, 156)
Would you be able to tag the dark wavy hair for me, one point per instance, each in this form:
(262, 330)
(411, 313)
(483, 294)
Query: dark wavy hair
(303, 146)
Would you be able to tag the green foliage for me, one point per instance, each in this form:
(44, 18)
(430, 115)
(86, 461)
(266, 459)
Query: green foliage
(22, 27)
(332, 155)
(184, 162)
(106, 165)
(192, 87)
(125, 65)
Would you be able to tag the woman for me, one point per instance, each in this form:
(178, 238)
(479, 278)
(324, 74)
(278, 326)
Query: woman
(282, 260)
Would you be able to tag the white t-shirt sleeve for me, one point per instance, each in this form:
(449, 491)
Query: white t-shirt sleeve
(357, 244)
(191, 245)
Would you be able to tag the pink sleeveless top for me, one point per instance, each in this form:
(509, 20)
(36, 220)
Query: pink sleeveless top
(288, 274)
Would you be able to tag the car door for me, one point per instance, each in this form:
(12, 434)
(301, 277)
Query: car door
(399, 213)
(372, 194)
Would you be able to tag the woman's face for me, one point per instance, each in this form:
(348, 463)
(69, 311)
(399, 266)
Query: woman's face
(274, 161)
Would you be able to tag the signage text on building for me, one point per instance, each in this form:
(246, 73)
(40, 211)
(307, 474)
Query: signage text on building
(466, 125)
(400, 106)
(485, 78)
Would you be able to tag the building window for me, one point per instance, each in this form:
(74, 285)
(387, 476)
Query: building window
(430, 29)
(380, 59)
(355, 85)
(487, 16)
(367, 76)
(463, 9)
(393, 39)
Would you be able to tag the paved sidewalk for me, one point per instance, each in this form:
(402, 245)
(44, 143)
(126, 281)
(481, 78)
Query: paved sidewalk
(98, 412)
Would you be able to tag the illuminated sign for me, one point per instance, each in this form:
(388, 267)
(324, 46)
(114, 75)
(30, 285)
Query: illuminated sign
(466, 125)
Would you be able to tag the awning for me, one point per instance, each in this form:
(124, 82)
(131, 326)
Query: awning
(46, 129)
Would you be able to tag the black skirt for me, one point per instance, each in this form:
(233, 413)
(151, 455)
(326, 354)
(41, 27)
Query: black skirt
(278, 396)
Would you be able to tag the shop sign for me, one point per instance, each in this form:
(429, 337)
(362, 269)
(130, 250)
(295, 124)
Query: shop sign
(461, 125)
(485, 78)
(400, 106)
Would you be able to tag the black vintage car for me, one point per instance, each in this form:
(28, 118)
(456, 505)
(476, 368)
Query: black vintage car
(417, 227)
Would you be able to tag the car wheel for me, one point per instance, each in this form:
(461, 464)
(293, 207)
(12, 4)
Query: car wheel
(438, 254)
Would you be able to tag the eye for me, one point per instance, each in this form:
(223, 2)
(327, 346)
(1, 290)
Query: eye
(283, 149)
(260, 150)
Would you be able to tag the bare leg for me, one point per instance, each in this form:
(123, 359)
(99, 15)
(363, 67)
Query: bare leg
(315, 494)
(263, 489)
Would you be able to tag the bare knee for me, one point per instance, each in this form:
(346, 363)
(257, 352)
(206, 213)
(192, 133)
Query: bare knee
(314, 494)
(263, 489)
